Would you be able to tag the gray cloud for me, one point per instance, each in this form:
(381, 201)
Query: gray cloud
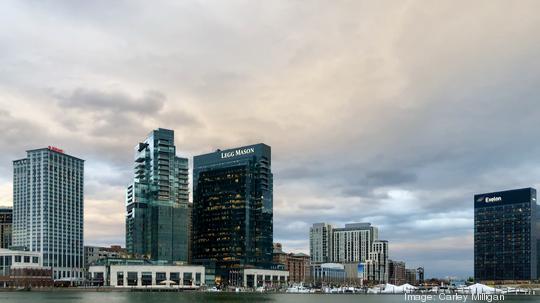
(394, 113)
(84, 99)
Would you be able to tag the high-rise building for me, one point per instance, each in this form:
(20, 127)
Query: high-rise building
(233, 208)
(48, 206)
(506, 235)
(6, 224)
(157, 220)
(320, 243)
(352, 244)
(377, 266)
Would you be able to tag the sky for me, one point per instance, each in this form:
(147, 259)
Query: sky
(389, 112)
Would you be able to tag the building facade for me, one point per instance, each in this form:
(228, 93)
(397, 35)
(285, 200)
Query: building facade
(297, 264)
(148, 275)
(353, 242)
(157, 214)
(48, 207)
(377, 267)
(506, 235)
(410, 276)
(328, 273)
(93, 254)
(6, 226)
(233, 209)
(355, 273)
(396, 272)
(320, 243)
(23, 269)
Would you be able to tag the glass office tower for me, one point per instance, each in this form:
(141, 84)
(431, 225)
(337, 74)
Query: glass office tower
(48, 207)
(232, 208)
(506, 236)
(157, 220)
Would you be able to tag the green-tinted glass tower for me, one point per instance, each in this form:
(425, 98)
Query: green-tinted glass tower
(157, 220)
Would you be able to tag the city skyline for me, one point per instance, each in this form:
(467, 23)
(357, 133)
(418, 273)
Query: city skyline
(376, 112)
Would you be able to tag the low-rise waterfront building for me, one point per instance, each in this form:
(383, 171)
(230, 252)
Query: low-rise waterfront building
(23, 269)
(267, 278)
(132, 275)
(328, 273)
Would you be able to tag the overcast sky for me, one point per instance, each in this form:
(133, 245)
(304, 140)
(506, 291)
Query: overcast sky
(389, 112)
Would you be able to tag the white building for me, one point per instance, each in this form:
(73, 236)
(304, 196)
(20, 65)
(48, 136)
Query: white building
(155, 276)
(48, 209)
(23, 269)
(254, 277)
(320, 242)
(353, 243)
(18, 259)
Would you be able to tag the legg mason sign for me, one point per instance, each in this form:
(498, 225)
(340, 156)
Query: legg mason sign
(237, 152)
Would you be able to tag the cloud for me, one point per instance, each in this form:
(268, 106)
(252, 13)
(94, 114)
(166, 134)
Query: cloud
(84, 99)
(393, 113)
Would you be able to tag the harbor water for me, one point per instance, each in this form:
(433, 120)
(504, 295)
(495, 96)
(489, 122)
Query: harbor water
(147, 297)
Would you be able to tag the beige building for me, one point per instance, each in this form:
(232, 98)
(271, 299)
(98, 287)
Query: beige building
(147, 275)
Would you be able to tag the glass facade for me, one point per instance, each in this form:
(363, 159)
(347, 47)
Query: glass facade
(6, 223)
(157, 220)
(48, 209)
(232, 208)
(506, 235)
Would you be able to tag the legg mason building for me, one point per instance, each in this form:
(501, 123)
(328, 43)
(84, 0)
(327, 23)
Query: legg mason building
(506, 236)
(232, 210)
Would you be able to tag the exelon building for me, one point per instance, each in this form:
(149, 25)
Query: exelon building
(232, 209)
(506, 236)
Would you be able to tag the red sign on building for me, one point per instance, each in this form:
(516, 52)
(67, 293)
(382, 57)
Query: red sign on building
(56, 149)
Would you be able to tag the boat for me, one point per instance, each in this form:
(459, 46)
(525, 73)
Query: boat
(213, 289)
(299, 289)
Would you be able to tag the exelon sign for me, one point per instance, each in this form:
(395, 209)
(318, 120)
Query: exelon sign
(493, 199)
(237, 152)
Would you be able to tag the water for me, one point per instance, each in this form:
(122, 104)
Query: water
(141, 297)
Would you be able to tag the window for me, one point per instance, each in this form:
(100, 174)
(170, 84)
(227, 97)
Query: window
(175, 277)
(26, 259)
(187, 278)
(120, 278)
(17, 259)
(198, 279)
(132, 278)
(35, 260)
(146, 278)
(160, 277)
